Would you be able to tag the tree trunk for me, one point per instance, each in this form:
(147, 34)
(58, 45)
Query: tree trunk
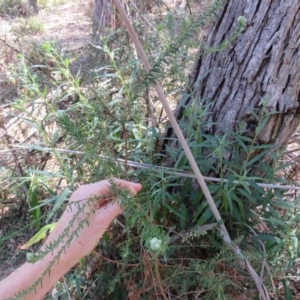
(264, 62)
(34, 5)
(103, 16)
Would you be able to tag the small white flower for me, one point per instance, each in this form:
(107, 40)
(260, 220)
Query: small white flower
(155, 244)
(29, 256)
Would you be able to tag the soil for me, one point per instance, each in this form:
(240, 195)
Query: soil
(67, 25)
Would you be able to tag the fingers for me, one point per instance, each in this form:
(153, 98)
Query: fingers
(102, 188)
(108, 212)
(133, 187)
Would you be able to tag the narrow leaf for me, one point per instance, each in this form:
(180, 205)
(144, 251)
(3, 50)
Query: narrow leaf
(41, 234)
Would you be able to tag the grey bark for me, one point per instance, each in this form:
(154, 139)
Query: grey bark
(34, 5)
(264, 62)
(103, 16)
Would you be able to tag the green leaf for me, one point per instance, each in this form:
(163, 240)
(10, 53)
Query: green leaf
(82, 161)
(41, 234)
(58, 203)
(257, 157)
(181, 161)
(267, 237)
(262, 124)
(241, 211)
(287, 290)
(274, 247)
(294, 221)
(200, 209)
(273, 211)
(205, 216)
(282, 203)
(240, 142)
(133, 62)
(230, 203)
(257, 187)
(249, 196)
(55, 137)
(34, 203)
(175, 211)
(277, 221)
(133, 74)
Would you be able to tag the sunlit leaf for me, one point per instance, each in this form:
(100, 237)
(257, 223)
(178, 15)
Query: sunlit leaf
(41, 234)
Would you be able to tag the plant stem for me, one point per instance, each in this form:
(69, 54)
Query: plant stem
(159, 279)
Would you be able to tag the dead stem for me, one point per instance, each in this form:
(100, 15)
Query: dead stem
(159, 279)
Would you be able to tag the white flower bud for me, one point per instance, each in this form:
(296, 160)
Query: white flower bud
(29, 256)
(155, 244)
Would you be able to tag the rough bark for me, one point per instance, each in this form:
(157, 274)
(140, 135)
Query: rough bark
(104, 15)
(264, 62)
(34, 5)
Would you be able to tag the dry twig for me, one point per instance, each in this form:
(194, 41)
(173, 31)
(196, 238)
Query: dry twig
(154, 168)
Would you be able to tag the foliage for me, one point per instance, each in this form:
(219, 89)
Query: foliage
(27, 26)
(23, 8)
(15, 8)
(73, 129)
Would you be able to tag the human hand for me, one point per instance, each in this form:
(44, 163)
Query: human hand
(99, 213)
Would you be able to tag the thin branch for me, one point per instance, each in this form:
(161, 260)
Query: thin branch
(265, 263)
(290, 151)
(189, 7)
(154, 168)
(159, 279)
(118, 262)
(19, 169)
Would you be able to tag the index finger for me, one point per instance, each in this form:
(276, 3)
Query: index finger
(103, 188)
